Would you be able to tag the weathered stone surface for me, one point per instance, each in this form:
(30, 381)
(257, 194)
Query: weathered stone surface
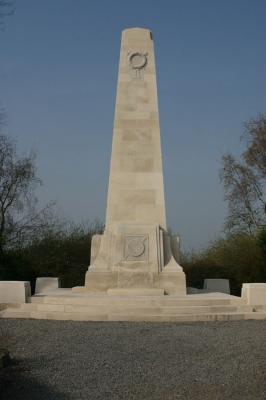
(135, 250)
(254, 294)
(101, 280)
(14, 291)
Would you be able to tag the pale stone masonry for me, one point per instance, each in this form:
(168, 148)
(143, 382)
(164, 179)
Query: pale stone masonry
(254, 293)
(14, 291)
(135, 250)
(136, 192)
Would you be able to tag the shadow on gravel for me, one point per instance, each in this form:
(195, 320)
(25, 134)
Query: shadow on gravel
(15, 384)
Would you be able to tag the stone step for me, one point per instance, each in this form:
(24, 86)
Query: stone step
(42, 307)
(53, 315)
(126, 309)
(255, 315)
(149, 301)
(179, 317)
(12, 313)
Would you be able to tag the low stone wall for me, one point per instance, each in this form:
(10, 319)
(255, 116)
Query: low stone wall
(254, 294)
(14, 291)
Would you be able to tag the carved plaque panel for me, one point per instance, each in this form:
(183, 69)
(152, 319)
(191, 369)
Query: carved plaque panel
(138, 60)
(136, 248)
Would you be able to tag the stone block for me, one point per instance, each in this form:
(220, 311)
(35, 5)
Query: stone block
(173, 282)
(14, 291)
(216, 285)
(254, 294)
(100, 281)
(45, 284)
(135, 279)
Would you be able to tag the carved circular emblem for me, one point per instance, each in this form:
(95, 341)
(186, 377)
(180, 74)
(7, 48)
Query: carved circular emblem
(138, 60)
(136, 247)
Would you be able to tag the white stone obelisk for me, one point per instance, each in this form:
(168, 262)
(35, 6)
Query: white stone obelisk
(135, 250)
(136, 193)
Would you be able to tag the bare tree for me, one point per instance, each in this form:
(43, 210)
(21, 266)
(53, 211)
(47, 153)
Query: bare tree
(255, 136)
(20, 220)
(244, 180)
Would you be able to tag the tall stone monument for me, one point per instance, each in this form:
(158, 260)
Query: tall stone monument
(135, 252)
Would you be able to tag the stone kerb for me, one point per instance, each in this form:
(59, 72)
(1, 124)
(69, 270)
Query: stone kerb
(14, 291)
(254, 294)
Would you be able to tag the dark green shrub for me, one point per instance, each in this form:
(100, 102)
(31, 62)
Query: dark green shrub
(238, 258)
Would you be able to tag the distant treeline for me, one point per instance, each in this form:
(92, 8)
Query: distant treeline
(34, 242)
(63, 253)
(240, 258)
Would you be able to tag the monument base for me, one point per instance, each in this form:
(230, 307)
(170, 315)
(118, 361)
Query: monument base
(100, 281)
(134, 257)
(124, 305)
(172, 282)
(166, 282)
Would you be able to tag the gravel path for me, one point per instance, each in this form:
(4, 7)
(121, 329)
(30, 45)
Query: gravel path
(89, 360)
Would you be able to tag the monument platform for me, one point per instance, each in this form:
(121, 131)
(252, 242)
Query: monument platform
(64, 304)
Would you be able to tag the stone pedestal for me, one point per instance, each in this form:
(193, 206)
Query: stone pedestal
(134, 256)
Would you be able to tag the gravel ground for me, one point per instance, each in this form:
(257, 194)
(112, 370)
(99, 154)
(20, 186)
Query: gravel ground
(156, 361)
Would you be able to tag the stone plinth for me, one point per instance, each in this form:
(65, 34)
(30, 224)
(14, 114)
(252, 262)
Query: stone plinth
(254, 294)
(14, 291)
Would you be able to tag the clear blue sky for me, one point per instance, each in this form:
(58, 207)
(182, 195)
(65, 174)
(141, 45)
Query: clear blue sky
(58, 72)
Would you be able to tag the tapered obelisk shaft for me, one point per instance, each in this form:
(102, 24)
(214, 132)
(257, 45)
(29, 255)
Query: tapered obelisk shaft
(135, 251)
(136, 193)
